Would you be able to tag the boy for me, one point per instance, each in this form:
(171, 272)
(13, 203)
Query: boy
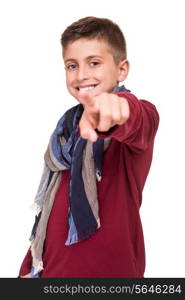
(96, 165)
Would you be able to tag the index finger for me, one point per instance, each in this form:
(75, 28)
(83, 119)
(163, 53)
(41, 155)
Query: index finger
(86, 129)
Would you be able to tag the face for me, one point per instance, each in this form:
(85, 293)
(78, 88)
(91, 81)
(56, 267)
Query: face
(90, 67)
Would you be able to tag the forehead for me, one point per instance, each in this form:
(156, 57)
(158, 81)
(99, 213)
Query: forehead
(83, 48)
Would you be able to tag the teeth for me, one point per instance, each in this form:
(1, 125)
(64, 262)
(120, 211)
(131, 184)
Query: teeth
(86, 89)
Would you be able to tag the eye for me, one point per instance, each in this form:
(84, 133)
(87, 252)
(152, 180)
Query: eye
(71, 66)
(94, 63)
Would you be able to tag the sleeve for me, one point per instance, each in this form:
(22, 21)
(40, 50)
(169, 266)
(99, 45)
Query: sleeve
(26, 264)
(139, 130)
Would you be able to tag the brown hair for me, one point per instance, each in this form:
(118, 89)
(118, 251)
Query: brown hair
(99, 28)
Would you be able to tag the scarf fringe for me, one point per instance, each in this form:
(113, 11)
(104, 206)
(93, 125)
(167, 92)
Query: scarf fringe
(37, 265)
(36, 208)
(34, 273)
(37, 268)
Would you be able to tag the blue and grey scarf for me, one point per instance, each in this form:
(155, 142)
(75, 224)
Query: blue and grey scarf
(68, 150)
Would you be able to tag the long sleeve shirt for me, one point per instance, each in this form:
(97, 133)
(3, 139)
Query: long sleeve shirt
(117, 248)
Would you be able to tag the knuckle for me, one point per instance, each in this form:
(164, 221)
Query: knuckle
(116, 118)
(126, 115)
(103, 128)
(124, 119)
(106, 115)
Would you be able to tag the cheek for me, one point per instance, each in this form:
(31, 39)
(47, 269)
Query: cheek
(97, 74)
(107, 74)
(69, 79)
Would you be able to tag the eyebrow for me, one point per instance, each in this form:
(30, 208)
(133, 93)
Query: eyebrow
(87, 58)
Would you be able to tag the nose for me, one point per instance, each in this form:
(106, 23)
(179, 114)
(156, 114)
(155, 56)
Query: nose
(83, 73)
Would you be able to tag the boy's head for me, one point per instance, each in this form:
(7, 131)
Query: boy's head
(94, 52)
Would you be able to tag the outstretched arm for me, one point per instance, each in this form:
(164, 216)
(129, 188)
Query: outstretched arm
(120, 116)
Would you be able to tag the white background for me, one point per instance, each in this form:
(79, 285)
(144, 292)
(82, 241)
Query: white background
(33, 97)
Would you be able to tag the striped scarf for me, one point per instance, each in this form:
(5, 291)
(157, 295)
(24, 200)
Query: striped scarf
(67, 150)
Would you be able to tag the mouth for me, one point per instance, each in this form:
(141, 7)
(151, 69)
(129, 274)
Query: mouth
(86, 88)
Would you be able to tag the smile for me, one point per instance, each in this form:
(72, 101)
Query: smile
(86, 88)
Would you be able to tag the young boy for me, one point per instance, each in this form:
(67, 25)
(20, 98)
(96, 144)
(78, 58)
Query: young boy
(96, 164)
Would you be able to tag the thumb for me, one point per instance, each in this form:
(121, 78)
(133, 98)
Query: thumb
(86, 99)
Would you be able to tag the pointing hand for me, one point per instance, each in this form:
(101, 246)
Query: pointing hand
(101, 112)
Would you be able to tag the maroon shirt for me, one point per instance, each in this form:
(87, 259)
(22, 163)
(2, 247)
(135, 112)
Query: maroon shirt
(117, 248)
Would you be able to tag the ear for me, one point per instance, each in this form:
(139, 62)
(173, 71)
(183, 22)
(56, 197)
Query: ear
(123, 69)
